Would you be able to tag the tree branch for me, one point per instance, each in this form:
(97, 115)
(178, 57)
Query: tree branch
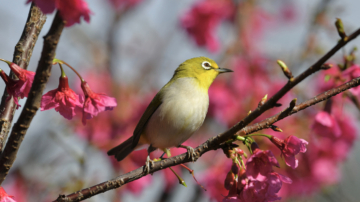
(33, 101)
(22, 55)
(215, 143)
(287, 112)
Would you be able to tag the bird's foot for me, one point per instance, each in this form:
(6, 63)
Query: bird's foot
(191, 154)
(148, 165)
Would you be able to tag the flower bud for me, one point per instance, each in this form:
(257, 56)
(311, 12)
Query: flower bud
(242, 180)
(326, 66)
(262, 101)
(239, 151)
(234, 168)
(254, 146)
(340, 28)
(229, 180)
(293, 103)
(275, 128)
(285, 69)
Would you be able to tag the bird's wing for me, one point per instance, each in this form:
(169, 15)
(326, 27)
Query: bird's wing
(154, 104)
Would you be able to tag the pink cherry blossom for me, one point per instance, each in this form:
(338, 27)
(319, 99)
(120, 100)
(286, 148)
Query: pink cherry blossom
(203, 19)
(325, 170)
(329, 79)
(348, 137)
(352, 73)
(289, 148)
(326, 125)
(18, 88)
(95, 102)
(25, 81)
(326, 150)
(4, 197)
(11, 88)
(259, 164)
(110, 129)
(70, 10)
(63, 99)
(259, 182)
(265, 190)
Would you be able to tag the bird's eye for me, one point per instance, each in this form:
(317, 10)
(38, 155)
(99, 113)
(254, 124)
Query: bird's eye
(206, 65)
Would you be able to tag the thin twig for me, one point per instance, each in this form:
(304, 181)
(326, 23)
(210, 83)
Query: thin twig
(22, 55)
(214, 143)
(33, 102)
(285, 113)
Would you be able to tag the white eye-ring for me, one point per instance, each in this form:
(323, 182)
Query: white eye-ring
(206, 65)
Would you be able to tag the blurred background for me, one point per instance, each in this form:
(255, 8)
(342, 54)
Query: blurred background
(131, 48)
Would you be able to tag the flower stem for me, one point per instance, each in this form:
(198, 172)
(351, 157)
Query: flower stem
(4, 77)
(63, 75)
(192, 173)
(181, 181)
(82, 80)
(5, 61)
(258, 134)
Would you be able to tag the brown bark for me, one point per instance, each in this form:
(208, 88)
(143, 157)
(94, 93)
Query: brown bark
(33, 102)
(22, 55)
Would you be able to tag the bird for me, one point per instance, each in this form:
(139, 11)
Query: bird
(176, 112)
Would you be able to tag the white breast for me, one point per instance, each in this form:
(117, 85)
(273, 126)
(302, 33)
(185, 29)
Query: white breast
(182, 112)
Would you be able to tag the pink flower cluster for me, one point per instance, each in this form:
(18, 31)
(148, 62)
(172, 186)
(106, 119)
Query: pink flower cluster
(71, 11)
(333, 137)
(352, 73)
(335, 76)
(68, 103)
(203, 19)
(63, 99)
(20, 87)
(258, 182)
(289, 148)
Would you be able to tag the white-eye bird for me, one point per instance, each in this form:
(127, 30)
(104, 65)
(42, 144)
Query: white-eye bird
(176, 111)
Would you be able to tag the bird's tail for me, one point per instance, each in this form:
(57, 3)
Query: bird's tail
(122, 150)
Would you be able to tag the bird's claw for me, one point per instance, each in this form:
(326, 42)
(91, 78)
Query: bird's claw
(191, 153)
(148, 165)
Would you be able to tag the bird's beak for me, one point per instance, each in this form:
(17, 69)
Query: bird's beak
(223, 70)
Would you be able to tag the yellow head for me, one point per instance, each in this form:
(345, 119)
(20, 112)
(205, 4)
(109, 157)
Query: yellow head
(203, 69)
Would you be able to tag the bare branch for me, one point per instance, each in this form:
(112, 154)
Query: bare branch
(285, 113)
(22, 55)
(33, 102)
(216, 142)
